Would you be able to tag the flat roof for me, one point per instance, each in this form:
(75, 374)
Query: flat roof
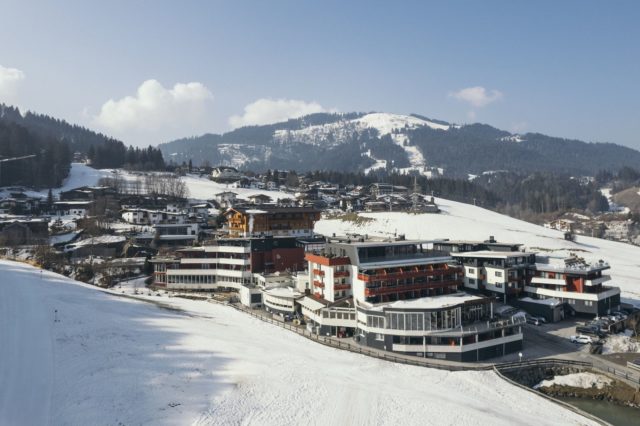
(431, 302)
(373, 242)
(492, 254)
(488, 243)
(288, 292)
(577, 268)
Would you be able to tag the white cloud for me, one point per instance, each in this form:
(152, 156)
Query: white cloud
(267, 111)
(155, 111)
(10, 81)
(477, 96)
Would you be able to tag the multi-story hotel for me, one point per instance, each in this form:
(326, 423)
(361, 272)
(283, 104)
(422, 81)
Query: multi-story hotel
(229, 263)
(405, 299)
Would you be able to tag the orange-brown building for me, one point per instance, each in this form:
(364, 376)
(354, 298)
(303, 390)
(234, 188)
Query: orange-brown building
(267, 220)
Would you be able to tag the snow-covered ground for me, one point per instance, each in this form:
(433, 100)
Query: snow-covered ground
(200, 188)
(467, 222)
(577, 380)
(203, 188)
(113, 360)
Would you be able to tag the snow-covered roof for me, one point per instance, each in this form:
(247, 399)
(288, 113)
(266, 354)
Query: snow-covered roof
(548, 302)
(284, 292)
(433, 302)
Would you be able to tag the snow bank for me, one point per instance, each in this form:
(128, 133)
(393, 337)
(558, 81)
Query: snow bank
(467, 222)
(619, 343)
(576, 380)
(112, 360)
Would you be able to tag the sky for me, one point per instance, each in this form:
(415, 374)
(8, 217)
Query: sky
(148, 72)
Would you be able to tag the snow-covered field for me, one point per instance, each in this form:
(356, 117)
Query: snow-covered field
(577, 380)
(467, 222)
(204, 189)
(113, 360)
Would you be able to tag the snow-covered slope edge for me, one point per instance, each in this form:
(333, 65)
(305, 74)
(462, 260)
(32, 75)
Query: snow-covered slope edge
(115, 361)
(467, 222)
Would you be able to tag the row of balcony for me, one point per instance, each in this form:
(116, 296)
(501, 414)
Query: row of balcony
(376, 291)
(407, 274)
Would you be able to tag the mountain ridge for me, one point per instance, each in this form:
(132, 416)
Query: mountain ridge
(385, 142)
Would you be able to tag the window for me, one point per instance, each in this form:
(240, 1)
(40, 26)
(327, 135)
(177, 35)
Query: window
(471, 270)
(498, 273)
(472, 281)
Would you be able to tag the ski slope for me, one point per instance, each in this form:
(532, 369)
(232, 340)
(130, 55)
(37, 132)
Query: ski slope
(113, 360)
(460, 221)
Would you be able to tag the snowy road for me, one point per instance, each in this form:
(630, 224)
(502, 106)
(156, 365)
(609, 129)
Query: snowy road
(111, 361)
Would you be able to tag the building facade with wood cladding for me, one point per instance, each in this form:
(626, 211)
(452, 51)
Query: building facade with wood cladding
(271, 220)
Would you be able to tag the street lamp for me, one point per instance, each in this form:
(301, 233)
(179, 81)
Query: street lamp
(520, 356)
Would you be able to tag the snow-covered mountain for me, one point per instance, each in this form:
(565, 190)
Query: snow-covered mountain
(402, 143)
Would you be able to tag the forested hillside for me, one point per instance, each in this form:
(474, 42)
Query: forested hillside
(53, 142)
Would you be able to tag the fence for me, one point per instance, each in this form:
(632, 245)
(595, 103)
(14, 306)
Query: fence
(408, 360)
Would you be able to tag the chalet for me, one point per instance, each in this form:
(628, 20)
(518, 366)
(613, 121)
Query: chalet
(86, 193)
(152, 217)
(226, 199)
(270, 220)
(259, 199)
(225, 174)
(377, 189)
(20, 231)
(73, 208)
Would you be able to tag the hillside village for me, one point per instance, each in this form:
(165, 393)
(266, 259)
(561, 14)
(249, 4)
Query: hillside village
(252, 241)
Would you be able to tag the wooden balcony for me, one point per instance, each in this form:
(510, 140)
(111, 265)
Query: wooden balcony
(377, 291)
(317, 283)
(408, 274)
(318, 272)
(342, 286)
(339, 274)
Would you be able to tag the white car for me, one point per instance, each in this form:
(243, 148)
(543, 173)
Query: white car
(581, 339)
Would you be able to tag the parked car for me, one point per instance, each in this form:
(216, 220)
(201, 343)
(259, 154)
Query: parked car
(542, 320)
(581, 339)
(591, 330)
(533, 320)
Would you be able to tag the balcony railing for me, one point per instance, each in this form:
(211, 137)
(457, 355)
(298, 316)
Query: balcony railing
(338, 274)
(317, 283)
(376, 291)
(407, 274)
(342, 286)
(318, 272)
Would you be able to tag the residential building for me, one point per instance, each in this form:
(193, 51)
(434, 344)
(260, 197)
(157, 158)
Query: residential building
(462, 246)
(153, 217)
(500, 273)
(577, 283)
(229, 263)
(271, 220)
